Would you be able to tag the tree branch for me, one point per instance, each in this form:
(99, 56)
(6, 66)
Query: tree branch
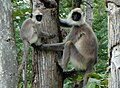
(88, 4)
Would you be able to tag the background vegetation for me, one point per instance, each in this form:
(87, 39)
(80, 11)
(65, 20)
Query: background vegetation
(98, 78)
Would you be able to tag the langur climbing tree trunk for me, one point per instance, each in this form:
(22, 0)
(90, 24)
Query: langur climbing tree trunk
(113, 9)
(46, 71)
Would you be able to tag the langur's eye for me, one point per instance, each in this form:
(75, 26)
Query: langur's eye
(38, 17)
(76, 16)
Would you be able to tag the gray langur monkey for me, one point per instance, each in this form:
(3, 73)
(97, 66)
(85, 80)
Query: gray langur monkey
(80, 45)
(31, 34)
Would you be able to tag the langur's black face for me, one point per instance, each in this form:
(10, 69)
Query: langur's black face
(76, 16)
(39, 17)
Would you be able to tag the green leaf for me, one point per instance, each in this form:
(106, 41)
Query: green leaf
(90, 85)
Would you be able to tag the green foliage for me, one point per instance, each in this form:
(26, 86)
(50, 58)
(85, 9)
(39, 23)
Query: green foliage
(100, 27)
(98, 78)
(64, 7)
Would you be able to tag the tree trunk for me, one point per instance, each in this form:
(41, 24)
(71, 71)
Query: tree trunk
(114, 42)
(46, 71)
(8, 63)
(88, 11)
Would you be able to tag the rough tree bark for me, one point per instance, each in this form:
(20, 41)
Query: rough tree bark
(114, 42)
(88, 11)
(8, 63)
(46, 71)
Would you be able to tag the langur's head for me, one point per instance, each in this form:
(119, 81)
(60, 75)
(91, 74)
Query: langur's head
(76, 17)
(37, 16)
